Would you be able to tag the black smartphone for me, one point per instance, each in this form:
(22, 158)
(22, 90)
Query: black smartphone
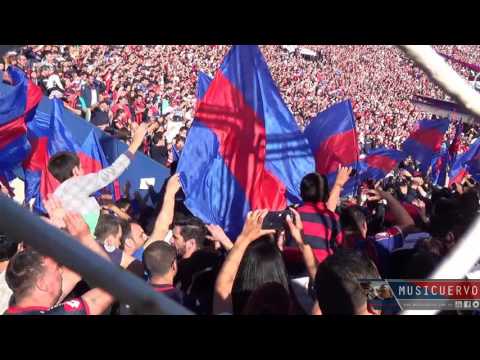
(353, 173)
(276, 220)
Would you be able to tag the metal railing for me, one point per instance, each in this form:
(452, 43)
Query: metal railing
(21, 225)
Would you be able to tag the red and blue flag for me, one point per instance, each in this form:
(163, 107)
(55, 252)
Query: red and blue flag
(465, 163)
(425, 141)
(379, 162)
(15, 105)
(203, 82)
(48, 136)
(245, 150)
(333, 141)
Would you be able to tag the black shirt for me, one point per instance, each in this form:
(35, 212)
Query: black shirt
(99, 118)
(196, 279)
(159, 153)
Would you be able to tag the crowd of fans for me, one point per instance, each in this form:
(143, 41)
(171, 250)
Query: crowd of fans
(400, 227)
(118, 87)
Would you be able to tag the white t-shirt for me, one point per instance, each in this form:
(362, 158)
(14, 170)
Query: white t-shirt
(94, 97)
(5, 293)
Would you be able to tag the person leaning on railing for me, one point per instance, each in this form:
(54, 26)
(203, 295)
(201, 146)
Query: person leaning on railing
(40, 284)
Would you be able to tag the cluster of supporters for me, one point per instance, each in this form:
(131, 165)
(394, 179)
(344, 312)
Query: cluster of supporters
(118, 87)
(400, 227)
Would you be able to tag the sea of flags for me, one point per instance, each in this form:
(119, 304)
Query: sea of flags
(244, 151)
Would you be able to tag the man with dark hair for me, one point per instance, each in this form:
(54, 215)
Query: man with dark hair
(158, 150)
(133, 237)
(337, 284)
(183, 132)
(89, 96)
(76, 188)
(198, 265)
(322, 229)
(189, 236)
(100, 116)
(8, 249)
(108, 231)
(160, 261)
(379, 246)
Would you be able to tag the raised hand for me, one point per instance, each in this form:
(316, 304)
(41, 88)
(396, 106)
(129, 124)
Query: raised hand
(218, 235)
(374, 194)
(173, 184)
(252, 229)
(296, 229)
(139, 135)
(343, 174)
(76, 225)
(55, 211)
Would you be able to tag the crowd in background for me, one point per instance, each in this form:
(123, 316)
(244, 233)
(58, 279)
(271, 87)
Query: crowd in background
(400, 227)
(118, 87)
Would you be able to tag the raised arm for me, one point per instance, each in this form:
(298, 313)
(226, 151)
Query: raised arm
(343, 175)
(219, 236)
(402, 218)
(165, 217)
(252, 230)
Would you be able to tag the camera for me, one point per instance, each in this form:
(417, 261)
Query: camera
(277, 220)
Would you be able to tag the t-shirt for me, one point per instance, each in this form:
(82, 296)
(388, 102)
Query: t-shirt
(72, 307)
(5, 293)
(321, 227)
(159, 153)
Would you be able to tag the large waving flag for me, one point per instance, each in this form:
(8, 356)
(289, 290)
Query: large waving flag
(465, 163)
(425, 141)
(439, 165)
(379, 162)
(333, 140)
(245, 150)
(49, 136)
(15, 104)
